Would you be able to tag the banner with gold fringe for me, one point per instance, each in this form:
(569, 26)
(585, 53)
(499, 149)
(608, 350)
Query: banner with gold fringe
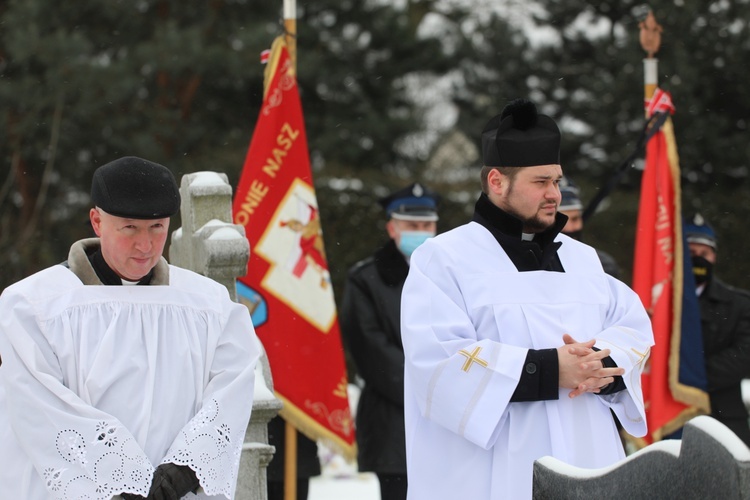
(288, 286)
(674, 382)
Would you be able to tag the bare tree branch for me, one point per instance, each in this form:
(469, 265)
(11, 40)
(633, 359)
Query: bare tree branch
(9, 180)
(48, 169)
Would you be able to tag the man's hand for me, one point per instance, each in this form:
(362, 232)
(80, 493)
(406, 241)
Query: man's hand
(581, 367)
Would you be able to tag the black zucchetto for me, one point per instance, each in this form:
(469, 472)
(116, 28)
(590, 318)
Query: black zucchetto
(520, 137)
(135, 188)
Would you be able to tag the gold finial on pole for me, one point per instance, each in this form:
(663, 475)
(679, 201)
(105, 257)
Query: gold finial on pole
(650, 38)
(650, 34)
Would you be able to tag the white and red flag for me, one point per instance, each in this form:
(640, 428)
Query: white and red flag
(288, 287)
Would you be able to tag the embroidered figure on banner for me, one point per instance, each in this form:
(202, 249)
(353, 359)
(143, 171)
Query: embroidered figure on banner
(310, 250)
(292, 245)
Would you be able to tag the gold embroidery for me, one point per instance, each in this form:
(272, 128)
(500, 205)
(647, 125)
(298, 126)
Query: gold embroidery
(472, 357)
(641, 355)
(340, 389)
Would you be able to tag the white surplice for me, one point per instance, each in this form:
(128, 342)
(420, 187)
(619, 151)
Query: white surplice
(100, 384)
(468, 319)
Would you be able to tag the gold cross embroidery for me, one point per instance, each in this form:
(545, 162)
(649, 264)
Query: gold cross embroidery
(472, 357)
(641, 355)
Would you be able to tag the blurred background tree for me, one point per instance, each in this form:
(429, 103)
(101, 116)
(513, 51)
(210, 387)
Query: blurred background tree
(392, 92)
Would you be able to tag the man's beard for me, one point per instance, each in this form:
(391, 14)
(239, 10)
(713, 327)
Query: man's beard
(531, 224)
(536, 225)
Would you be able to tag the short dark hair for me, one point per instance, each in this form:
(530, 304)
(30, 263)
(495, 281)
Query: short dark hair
(509, 172)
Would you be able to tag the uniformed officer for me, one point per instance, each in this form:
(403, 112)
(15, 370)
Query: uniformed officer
(572, 206)
(370, 324)
(725, 324)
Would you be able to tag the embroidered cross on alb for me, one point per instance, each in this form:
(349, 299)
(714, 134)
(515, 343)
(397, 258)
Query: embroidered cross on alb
(471, 358)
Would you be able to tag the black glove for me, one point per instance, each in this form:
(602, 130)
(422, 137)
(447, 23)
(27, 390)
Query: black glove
(131, 496)
(172, 482)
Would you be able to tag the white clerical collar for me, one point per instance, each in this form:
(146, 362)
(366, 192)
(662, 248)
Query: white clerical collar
(128, 283)
(527, 236)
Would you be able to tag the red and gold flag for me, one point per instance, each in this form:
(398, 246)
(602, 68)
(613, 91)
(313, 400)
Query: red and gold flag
(674, 380)
(288, 287)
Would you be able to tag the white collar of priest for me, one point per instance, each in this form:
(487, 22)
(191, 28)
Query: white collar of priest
(528, 236)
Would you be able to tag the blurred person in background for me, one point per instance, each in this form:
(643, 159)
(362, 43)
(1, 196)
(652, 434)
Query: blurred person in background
(370, 324)
(572, 206)
(725, 326)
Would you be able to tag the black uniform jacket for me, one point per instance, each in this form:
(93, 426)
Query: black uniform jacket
(371, 328)
(725, 323)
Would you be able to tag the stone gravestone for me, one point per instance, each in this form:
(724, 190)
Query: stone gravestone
(709, 462)
(209, 244)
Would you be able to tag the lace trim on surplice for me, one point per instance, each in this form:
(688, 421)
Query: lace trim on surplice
(105, 462)
(210, 447)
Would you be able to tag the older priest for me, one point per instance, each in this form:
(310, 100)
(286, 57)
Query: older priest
(123, 375)
(517, 343)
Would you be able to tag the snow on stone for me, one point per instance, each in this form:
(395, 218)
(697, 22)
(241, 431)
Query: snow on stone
(723, 435)
(226, 233)
(262, 392)
(220, 230)
(669, 446)
(206, 179)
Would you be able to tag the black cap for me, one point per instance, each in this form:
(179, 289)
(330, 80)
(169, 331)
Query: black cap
(135, 188)
(571, 195)
(414, 202)
(520, 137)
(698, 230)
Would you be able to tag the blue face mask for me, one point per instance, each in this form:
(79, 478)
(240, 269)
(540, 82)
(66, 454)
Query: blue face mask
(410, 240)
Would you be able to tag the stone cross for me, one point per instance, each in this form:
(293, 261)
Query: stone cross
(209, 244)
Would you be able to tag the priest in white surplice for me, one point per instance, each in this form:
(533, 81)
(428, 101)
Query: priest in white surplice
(122, 375)
(517, 343)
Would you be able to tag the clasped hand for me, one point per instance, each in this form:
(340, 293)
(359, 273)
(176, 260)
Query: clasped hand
(170, 482)
(581, 367)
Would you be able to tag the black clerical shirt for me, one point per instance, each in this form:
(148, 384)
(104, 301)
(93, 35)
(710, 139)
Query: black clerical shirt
(107, 275)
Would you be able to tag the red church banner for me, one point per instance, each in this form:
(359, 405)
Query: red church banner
(674, 380)
(288, 287)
